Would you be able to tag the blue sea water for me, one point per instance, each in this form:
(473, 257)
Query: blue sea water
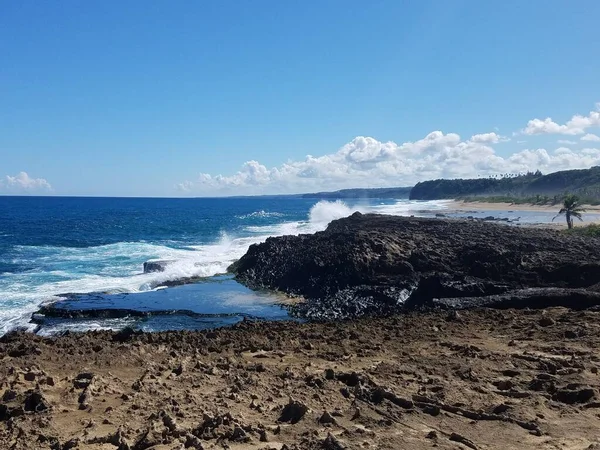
(73, 245)
(51, 246)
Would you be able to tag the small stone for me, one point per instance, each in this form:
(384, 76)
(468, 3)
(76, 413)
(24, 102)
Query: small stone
(331, 443)
(501, 408)
(431, 435)
(454, 316)
(178, 370)
(262, 433)
(326, 418)
(546, 321)
(9, 395)
(504, 385)
(35, 402)
(29, 376)
(239, 434)
(293, 412)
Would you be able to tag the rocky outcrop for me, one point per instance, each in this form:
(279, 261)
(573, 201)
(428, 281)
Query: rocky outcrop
(372, 264)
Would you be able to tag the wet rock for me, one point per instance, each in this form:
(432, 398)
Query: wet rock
(293, 412)
(157, 265)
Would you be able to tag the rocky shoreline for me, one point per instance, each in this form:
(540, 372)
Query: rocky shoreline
(381, 265)
(463, 335)
(475, 379)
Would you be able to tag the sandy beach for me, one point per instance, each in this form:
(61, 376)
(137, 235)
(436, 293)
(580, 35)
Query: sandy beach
(487, 206)
(464, 207)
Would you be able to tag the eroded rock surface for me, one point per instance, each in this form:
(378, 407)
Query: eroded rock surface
(373, 264)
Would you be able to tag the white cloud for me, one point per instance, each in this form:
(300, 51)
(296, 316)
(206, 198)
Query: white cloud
(23, 183)
(591, 137)
(367, 162)
(489, 138)
(566, 142)
(577, 125)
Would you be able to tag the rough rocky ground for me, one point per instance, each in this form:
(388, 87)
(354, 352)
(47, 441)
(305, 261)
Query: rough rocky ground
(480, 379)
(377, 265)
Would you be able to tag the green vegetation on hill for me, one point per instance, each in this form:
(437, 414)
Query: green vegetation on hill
(399, 192)
(528, 188)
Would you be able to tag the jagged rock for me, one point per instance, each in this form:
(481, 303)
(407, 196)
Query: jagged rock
(239, 434)
(35, 402)
(157, 265)
(372, 265)
(331, 443)
(574, 395)
(546, 321)
(326, 418)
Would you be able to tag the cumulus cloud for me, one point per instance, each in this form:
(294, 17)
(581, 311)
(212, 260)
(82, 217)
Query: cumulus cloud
(23, 183)
(591, 137)
(367, 162)
(488, 138)
(577, 125)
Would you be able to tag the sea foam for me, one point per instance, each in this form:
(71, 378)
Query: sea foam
(117, 268)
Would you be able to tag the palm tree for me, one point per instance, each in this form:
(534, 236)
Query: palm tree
(571, 208)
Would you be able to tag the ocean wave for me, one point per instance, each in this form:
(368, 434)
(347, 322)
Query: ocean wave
(117, 268)
(260, 214)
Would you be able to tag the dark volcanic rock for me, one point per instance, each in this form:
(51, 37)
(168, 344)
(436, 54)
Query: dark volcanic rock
(372, 264)
(157, 265)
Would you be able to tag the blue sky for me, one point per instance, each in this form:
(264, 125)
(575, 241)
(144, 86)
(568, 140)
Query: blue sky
(223, 97)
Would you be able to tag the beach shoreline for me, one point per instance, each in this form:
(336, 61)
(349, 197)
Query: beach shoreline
(461, 207)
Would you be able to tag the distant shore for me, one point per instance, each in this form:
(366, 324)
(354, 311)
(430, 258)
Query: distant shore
(459, 205)
(463, 206)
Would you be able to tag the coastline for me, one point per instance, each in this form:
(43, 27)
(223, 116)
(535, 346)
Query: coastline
(460, 206)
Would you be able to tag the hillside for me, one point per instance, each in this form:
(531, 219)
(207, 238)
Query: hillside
(398, 192)
(585, 183)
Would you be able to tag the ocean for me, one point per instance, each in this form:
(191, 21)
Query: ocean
(88, 253)
(51, 246)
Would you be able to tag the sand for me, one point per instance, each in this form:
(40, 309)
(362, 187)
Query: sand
(487, 206)
(481, 379)
(559, 223)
